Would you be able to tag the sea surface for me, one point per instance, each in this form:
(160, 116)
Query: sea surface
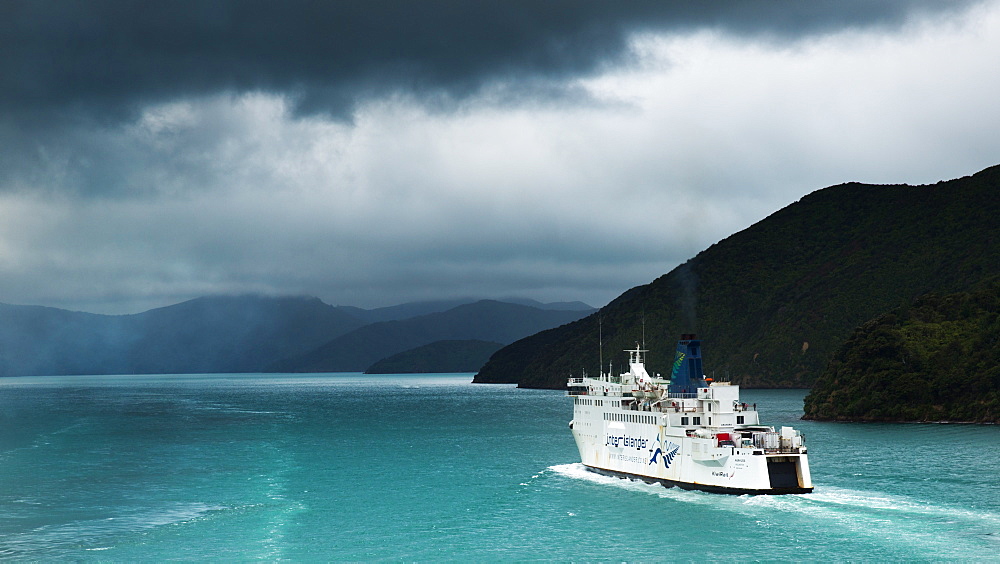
(431, 467)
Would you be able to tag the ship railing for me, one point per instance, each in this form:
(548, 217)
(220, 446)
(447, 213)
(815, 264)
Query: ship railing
(682, 395)
(575, 381)
(783, 450)
(678, 408)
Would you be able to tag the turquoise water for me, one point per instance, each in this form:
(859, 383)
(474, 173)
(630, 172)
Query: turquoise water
(421, 468)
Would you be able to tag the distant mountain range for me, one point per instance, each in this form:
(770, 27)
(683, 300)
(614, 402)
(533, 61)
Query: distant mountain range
(416, 309)
(486, 320)
(439, 356)
(249, 334)
(773, 302)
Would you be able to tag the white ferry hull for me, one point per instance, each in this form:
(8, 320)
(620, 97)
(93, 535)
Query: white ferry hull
(672, 461)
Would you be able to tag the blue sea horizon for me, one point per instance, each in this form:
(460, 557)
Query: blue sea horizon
(356, 467)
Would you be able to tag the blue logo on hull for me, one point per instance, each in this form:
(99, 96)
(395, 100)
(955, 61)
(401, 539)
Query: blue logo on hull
(666, 456)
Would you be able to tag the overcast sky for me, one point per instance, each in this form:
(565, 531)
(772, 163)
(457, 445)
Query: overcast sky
(376, 152)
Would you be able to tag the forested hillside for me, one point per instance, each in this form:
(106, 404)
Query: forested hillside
(773, 302)
(935, 360)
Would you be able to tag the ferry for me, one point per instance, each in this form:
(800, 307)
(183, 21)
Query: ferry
(685, 430)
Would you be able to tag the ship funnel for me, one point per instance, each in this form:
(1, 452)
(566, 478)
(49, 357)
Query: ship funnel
(687, 375)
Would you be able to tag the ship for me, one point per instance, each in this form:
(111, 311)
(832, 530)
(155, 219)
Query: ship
(686, 431)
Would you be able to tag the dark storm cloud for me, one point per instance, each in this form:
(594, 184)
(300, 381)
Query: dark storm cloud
(371, 152)
(103, 59)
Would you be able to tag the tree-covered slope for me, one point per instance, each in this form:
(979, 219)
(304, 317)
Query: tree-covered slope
(439, 356)
(936, 360)
(774, 301)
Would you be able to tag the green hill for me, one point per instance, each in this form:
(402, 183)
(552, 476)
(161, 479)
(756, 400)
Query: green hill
(773, 302)
(439, 356)
(936, 360)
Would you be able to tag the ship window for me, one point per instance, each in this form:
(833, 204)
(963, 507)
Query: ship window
(697, 420)
(739, 419)
(684, 420)
(709, 420)
(710, 407)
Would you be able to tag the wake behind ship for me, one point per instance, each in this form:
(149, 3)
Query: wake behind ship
(684, 431)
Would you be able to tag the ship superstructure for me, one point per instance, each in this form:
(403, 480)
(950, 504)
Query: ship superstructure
(685, 430)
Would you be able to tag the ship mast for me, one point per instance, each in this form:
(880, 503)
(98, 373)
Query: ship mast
(600, 345)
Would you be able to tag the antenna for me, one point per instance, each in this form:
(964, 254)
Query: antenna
(643, 328)
(600, 343)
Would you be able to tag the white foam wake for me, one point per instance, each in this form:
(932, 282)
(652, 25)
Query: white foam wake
(929, 529)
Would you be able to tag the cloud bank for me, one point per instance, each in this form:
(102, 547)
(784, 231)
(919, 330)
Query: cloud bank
(373, 153)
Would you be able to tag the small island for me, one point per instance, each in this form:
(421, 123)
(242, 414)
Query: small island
(935, 360)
